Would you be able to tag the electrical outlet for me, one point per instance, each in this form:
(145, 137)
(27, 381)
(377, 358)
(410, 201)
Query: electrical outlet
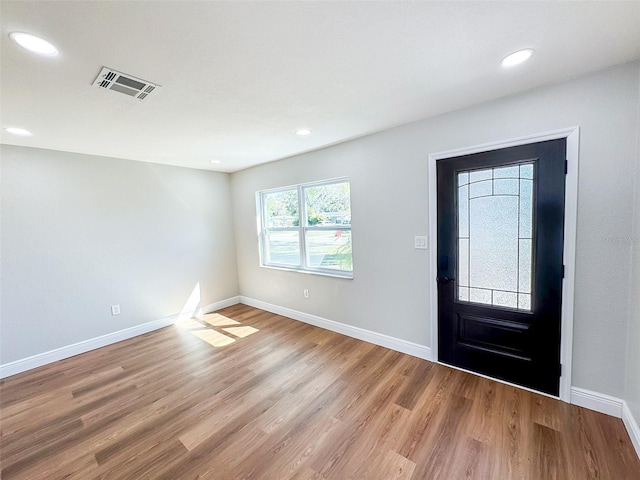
(115, 310)
(305, 292)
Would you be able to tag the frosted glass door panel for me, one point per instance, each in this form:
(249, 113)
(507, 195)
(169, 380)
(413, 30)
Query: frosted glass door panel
(495, 213)
(493, 243)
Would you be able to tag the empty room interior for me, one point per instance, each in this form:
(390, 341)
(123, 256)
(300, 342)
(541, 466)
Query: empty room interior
(320, 240)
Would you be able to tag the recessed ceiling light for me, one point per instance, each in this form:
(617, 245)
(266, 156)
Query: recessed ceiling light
(18, 131)
(216, 161)
(516, 58)
(303, 131)
(34, 44)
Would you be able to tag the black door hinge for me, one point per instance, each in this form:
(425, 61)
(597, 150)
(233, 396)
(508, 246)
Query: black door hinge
(562, 272)
(566, 167)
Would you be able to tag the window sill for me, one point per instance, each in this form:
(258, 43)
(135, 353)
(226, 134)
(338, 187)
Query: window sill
(324, 273)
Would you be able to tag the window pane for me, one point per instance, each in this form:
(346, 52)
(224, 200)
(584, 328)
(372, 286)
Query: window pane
(526, 171)
(282, 247)
(463, 294)
(524, 269)
(507, 172)
(480, 175)
(495, 236)
(505, 186)
(328, 204)
(493, 243)
(463, 211)
(480, 295)
(524, 301)
(505, 299)
(526, 208)
(481, 189)
(329, 249)
(307, 228)
(281, 208)
(463, 262)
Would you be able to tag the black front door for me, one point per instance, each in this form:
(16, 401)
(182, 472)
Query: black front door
(500, 247)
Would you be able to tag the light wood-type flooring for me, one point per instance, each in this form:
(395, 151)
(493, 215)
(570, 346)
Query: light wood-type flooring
(248, 394)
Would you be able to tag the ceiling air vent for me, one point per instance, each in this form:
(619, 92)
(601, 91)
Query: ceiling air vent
(134, 87)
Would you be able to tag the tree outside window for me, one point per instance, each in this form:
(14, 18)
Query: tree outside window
(308, 227)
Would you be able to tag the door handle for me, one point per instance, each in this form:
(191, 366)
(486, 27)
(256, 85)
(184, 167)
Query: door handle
(445, 279)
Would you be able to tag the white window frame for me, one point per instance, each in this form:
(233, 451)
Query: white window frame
(302, 229)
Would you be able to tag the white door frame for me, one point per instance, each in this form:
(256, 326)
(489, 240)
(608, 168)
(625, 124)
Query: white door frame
(572, 136)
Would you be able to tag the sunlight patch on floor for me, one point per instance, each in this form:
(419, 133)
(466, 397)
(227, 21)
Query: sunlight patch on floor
(213, 337)
(213, 328)
(189, 324)
(241, 332)
(217, 320)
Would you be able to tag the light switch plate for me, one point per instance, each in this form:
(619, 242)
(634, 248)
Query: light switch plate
(420, 242)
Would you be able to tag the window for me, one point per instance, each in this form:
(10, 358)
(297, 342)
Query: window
(307, 228)
(495, 236)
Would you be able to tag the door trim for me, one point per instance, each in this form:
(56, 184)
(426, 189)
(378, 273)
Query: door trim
(572, 136)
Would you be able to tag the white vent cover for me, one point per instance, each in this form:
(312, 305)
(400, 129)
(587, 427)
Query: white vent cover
(110, 79)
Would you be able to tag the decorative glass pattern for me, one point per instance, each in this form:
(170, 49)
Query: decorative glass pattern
(495, 236)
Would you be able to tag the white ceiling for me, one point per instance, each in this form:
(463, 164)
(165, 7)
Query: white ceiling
(240, 77)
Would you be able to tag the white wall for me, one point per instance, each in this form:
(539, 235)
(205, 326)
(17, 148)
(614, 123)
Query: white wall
(81, 233)
(389, 189)
(632, 392)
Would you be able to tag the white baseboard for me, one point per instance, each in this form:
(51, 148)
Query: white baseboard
(40, 359)
(387, 341)
(597, 401)
(228, 302)
(613, 406)
(632, 427)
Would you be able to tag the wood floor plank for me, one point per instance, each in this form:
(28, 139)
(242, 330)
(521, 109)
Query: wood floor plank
(513, 440)
(293, 456)
(416, 384)
(284, 400)
(548, 455)
(388, 465)
(439, 459)
(474, 460)
(305, 473)
(486, 412)
(369, 416)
